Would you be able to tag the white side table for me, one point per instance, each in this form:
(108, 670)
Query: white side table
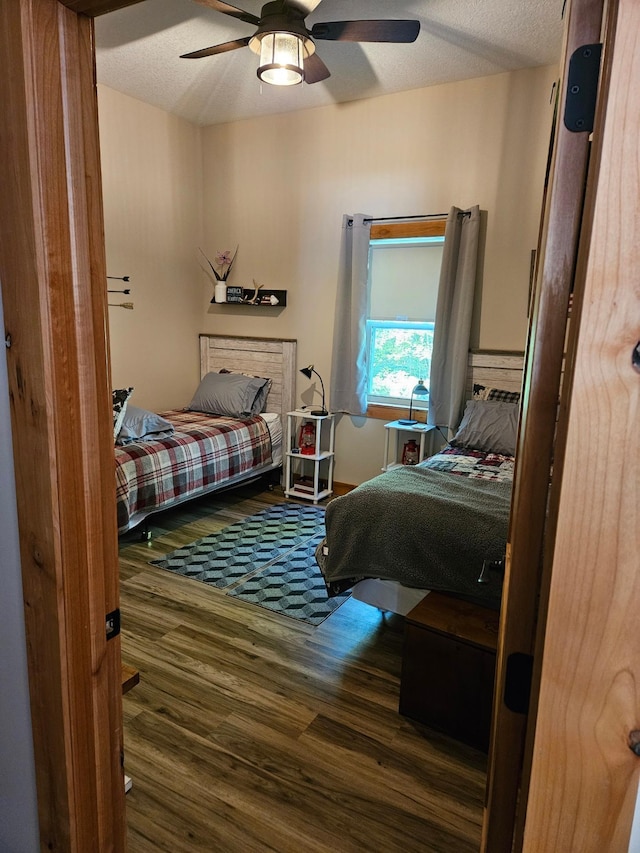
(395, 433)
(310, 475)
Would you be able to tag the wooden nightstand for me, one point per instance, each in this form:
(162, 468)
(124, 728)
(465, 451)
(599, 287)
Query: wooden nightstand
(448, 667)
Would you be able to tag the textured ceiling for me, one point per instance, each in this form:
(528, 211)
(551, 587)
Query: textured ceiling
(138, 52)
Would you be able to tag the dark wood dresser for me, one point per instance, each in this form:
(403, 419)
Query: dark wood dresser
(448, 667)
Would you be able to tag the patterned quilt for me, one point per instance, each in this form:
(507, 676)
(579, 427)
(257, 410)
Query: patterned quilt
(472, 463)
(203, 452)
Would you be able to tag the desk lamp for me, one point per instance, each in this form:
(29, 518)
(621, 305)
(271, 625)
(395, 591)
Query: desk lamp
(419, 390)
(308, 371)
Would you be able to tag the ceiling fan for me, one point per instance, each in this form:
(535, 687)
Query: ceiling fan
(287, 48)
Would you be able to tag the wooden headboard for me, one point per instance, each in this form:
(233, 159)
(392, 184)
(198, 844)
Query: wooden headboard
(495, 370)
(274, 358)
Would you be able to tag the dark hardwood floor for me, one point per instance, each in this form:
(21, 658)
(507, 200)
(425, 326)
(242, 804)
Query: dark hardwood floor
(251, 731)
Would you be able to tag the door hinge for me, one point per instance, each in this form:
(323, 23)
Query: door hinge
(582, 88)
(112, 621)
(517, 682)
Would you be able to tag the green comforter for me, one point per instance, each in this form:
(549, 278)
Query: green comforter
(421, 527)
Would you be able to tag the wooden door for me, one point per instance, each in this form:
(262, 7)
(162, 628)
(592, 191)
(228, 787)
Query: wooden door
(560, 229)
(584, 775)
(579, 775)
(53, 277)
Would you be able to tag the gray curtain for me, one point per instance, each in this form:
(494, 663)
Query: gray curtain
(349, 364)
(453, 318)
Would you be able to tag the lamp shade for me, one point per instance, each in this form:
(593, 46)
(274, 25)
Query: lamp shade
(308, 372)
(419, 390)
(281, 59)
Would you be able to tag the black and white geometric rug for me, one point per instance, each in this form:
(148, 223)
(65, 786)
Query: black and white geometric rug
(267, 559)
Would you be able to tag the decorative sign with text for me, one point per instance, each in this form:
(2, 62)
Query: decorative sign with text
(234, 294)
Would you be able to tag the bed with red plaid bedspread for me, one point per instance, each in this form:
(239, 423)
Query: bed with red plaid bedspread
(205, 452)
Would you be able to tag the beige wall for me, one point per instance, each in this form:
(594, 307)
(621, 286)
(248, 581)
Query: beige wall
(152, 185)
(277, 186)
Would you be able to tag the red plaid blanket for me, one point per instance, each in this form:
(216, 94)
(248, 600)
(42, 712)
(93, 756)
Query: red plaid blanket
(202, 452)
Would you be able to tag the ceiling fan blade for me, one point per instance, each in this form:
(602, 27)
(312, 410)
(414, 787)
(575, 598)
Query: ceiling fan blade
(392, 31)
(304, 6)
(314, 69)
(217, 48)
(228, 9)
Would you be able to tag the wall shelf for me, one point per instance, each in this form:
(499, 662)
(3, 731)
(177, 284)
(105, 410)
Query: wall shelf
(241, 296)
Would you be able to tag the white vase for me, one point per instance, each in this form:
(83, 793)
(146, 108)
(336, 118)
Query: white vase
(220, 292)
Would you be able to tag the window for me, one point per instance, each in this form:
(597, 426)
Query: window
(399, 355)
(404, 271)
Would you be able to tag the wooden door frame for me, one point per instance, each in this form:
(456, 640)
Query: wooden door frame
(584, 776)
(53, 277)
(560, 229)
(579, 775)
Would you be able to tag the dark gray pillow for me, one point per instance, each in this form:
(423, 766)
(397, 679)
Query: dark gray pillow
(230, 394)
(488, 425)
(141, 425)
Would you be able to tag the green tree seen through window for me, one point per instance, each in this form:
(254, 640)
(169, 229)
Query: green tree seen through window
(400, 354)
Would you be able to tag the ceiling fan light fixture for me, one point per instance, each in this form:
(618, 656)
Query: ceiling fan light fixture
(287, 48)
(281, 58)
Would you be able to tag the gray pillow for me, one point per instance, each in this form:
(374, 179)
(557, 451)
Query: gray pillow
(140, 425)
(488, 425)
(230, 394)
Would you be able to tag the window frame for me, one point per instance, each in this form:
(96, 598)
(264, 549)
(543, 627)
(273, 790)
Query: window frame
(431, 227)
